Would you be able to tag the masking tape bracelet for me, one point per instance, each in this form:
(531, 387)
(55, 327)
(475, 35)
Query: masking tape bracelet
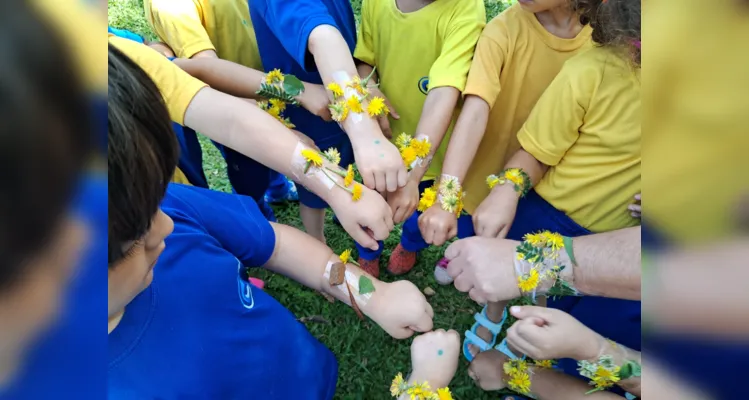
(605, 373)
(359, 289)
(542, 267)
(417, 390)
(282, 87)
(350, 98)
(450, 194)
(308, 162)
(519, 373)
(519, 179)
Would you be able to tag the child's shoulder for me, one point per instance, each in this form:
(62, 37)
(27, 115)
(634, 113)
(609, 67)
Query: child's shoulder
(461, 10)
(510, 22)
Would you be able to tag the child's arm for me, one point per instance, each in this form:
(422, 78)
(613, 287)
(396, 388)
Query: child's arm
(434, 360)
(240, 81)
(398, 307)
(366, 70)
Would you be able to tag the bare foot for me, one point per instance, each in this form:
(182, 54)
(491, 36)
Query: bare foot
(486, 370)
(483, 332)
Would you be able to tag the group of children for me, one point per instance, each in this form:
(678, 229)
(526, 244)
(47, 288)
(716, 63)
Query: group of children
(532, 123)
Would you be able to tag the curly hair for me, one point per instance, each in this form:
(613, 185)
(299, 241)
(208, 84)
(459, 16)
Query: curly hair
(615, 23)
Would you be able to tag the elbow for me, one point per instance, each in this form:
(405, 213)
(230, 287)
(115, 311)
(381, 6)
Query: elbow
(322, 35)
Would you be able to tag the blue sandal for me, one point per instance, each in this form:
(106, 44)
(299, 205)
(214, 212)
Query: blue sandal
(472, 338)
(504, 349)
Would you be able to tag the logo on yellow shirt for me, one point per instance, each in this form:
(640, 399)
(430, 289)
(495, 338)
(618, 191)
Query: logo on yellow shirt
(424, 84)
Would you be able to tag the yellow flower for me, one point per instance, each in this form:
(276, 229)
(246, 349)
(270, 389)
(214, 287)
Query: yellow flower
(554, 240)
(606, 377)
(513, 175)
(419, 391)
(403, 141)
(427, 199)
(349, 176)
(520, 383)
(275, 111)
(312, 157)
(396, 386)
(354, 104)
(450, 203)
(521, 257)
(444, 394)
(459, 208)
(338, 111)
(346, 258)
(357, 85)
(528, 282)
(544, 363)
(335, 89)
(333, 155)
(277, 103)
(263, 105)
(377, 107)
(356, 192)
(535, 239)
(492, 180)
(409, 155)
(287, 123)
(274, 76)
(421, 147)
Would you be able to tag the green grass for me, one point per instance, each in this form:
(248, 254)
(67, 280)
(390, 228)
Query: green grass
(368, 358)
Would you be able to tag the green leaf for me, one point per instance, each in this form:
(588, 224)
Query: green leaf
(626, 371)
(292, 85)
(365, 285)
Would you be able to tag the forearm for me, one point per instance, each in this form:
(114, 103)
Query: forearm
(434, 121)
(466, 138)
(609, 264)
(224, 76)
(304, 259)
(333, 58)
(547, 384)
(244, 127)
(525, 161)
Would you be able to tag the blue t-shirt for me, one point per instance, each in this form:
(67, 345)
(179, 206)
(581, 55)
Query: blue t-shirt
(68, 362)
(282, 29)
(200, 330)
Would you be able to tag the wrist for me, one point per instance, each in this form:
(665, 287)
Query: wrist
(592, 350)
(418, 376)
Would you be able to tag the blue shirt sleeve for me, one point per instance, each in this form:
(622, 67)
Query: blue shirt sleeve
(235, 221)
(292, 22)
(125, 34)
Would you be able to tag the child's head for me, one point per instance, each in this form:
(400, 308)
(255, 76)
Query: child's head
(615, 23)
(143, 154)
(45, 142)
(537, 6)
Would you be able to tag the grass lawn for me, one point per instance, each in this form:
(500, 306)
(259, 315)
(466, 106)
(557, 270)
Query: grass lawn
(368, 358)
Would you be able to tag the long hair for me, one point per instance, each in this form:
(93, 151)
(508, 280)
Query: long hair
(615, 23)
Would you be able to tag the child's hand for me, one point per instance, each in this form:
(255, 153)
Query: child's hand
(379, 161)
(367, 220)
(404, 201)
(486, 370)
(636, 207)
(400, 309)
(437, 226)
(493, 217)
(315, 100)
(434, 357)
(383, 119)
(545, 333)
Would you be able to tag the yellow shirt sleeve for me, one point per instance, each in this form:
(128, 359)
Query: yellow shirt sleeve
(179, 24)
(452, 66)
(364, 51)
(486, 68)
(176, 86)
(554, 123)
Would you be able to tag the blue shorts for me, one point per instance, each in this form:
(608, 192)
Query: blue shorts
(190, 156)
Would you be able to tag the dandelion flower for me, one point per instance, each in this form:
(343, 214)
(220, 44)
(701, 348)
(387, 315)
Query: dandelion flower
(427, 199)
(554, 240)
(349, 176)
(421, 147)
(354, 104)
(521, 257)
(278, 103)
(492, 180)
(444, 394)
(312, 157)
(409, 155)
(403, 141)
(520, 382)
(513, 175)
(346, 258)
(335, 89)
(528, 282)
(274, 111)
(377, 107)
(263, 105)
(287, 123)
(396, 388)
(544, 363)
(419, 391)
(356, 84)
(274, 76)
(459, 207)
(356, 192)
(450, 203)
(333, 155)
(338, 111)
(449, 185)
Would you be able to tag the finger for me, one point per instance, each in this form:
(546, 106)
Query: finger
(523, 312)
(476, 296)
(503, 232)
(380, 230)
(361, 236)
(398, 215)
(391, 180)
(635, 207)
(454, 250)
(402, 176)
(369, 179)
(392, 110)
(429, 310)
(385, 126)
(462, 283)
(518, 345)
(424, 324)
(402, 333)
(452, 233)
(380, 181)
(638, 197)
(439, 237)
(389, 223)
(428, 235)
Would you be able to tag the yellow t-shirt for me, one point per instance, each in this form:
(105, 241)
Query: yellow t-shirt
(176, 86)
(695, 112)
(191, 26)
(586, 127)
(418, 51)
(516, 59)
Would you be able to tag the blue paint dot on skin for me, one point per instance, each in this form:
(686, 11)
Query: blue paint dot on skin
(382, 156)
(377, 142)
(439, 353)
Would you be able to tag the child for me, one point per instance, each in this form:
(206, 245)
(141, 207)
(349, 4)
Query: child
(423, 78)
(181, 329)
(220, 29)
(243, 126)
(505, 81)
(581, 153)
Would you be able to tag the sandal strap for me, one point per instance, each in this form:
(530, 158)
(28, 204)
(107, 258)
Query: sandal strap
(475, 340)
(484, 321)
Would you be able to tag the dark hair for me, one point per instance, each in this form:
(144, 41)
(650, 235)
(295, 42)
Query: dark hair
(615, 23)
(45, 137)
(143, 152)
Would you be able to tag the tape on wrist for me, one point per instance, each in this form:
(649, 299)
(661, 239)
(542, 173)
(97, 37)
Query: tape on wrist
(302, 172)
(343, 79)
(353, 282)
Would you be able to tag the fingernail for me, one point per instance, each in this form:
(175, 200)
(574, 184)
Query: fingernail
(514, 309)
